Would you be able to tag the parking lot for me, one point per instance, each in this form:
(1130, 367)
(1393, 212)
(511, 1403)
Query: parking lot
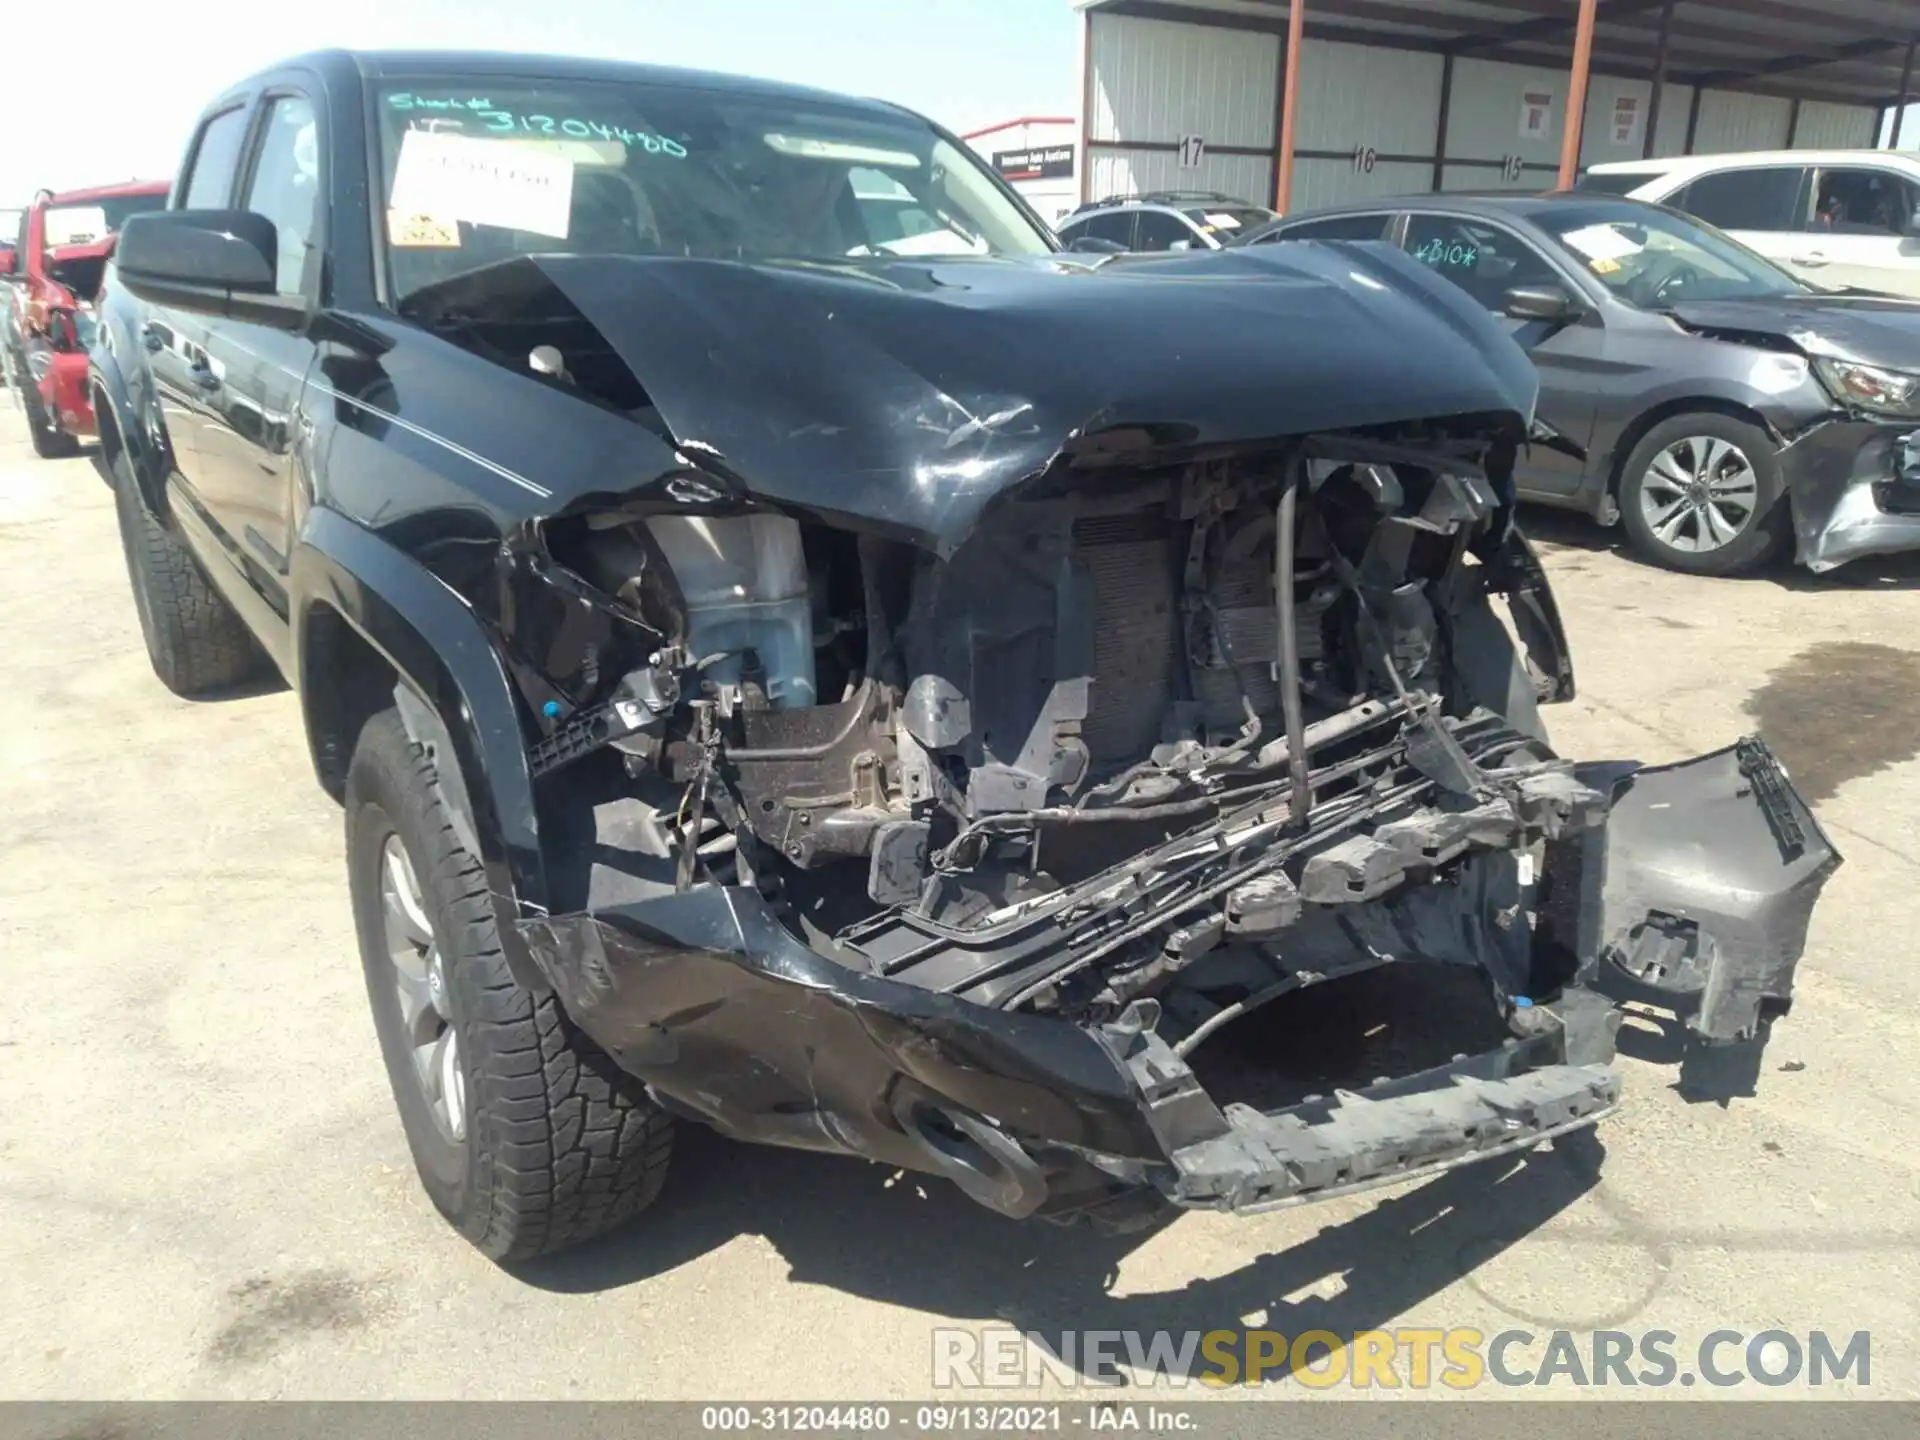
(204, 1190)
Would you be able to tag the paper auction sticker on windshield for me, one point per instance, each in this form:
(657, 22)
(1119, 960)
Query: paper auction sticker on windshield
(421, 232)
(1601, 242)
(484, 182)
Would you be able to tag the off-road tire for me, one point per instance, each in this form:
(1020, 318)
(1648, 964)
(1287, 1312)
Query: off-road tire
(1765, 537)
(560, 1145)
(197, 644)
(49, 441)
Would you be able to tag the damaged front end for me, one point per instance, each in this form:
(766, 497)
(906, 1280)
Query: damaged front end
(955, 860)
(1854, 487)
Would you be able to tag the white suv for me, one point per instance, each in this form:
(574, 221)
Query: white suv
(1835, 217)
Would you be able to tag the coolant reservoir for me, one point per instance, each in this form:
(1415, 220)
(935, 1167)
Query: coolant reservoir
(745, 582)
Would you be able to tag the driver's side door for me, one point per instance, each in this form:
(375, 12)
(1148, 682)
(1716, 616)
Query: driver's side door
(1487, 260)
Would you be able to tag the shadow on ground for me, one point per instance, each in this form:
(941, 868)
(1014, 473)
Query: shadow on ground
(917, 1243)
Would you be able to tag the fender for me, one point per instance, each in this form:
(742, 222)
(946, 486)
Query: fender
(136, 419)
(461, 704)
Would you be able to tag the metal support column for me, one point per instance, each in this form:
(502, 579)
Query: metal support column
(1290, 105)
(1440, 130)
(1906, 90)
(1576, 97)
(1086, 108)
(1659, 81)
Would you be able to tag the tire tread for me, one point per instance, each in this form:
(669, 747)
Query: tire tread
(197, 643)
(567, 1147)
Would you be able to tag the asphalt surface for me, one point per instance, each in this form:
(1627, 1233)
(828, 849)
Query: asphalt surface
(204, 1191)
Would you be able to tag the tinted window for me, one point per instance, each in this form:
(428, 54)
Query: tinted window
(1337, 227)
(1863, 202)
(286, 183)
(1764, 198)
(1160, 231)
(215, 157)
(1483, 260)
(1114, 225)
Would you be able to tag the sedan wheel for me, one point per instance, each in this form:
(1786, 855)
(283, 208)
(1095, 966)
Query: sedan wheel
(1699, 494)
(420, 982)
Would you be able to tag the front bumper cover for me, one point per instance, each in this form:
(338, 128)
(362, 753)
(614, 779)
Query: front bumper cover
(1854, 489)
(1694, 895)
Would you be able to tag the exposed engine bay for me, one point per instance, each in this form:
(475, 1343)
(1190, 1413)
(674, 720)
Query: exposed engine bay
(882, 738)
(1157, 744)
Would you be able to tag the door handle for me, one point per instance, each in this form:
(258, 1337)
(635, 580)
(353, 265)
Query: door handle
(150, 338)
(1813, 259)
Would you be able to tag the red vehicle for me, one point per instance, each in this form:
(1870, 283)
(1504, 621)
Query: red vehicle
(57, 265)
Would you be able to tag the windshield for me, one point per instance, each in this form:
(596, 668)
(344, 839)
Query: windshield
(1653, 258)
(475, 173)
(96, 219)
(1227, 223)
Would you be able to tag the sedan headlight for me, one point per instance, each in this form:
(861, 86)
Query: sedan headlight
(1884, 392)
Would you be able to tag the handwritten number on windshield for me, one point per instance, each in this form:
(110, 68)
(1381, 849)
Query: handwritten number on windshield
(511, 122)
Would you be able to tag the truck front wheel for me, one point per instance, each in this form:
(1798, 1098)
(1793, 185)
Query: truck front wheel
(526, 1135)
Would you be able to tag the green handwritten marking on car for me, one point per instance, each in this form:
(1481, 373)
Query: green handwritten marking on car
(1439, 252)
(506, 122)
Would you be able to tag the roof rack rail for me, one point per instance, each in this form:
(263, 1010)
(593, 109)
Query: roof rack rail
(1162, 196)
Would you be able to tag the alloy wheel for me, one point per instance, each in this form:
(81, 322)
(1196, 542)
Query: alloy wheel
(1699, 494)
(420, 983)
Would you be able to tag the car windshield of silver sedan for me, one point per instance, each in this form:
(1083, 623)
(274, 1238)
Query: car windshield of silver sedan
(475, 172)
(1653, 258)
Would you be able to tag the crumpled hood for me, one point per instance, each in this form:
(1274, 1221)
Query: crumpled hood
(1875, 329)
(908, 394)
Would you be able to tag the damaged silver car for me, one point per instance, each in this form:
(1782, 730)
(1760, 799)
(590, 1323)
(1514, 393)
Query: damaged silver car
(880, 685)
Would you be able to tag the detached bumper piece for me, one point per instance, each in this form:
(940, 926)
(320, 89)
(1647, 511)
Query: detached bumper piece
(1420, 1125)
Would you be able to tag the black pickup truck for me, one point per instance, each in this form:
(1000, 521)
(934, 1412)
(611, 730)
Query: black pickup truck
(799, 651)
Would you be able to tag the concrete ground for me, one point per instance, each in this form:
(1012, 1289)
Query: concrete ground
(204, 1191)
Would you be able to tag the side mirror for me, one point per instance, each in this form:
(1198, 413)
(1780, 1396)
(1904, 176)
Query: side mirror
(1539, 302)
(1913, 223)
(1181, 245)
(212, 262)
(1094, 245)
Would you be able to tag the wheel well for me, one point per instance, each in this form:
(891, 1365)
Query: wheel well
(1689, 405)
(344, 683)
(107, 425)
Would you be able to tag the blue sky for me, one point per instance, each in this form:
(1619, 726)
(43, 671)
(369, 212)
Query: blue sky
(122, 111)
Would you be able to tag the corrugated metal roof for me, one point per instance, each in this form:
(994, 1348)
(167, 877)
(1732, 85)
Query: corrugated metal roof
(1844, 51)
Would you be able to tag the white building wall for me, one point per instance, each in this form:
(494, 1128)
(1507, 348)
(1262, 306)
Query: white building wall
(1826, 126)
(1599, 141)
(1730, 120)
(1484, 122)
(1670, 135)
(1159, 80)
(1356, 96)
(1332, 182)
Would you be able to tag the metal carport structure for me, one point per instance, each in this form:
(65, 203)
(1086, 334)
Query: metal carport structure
(1413, 91)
